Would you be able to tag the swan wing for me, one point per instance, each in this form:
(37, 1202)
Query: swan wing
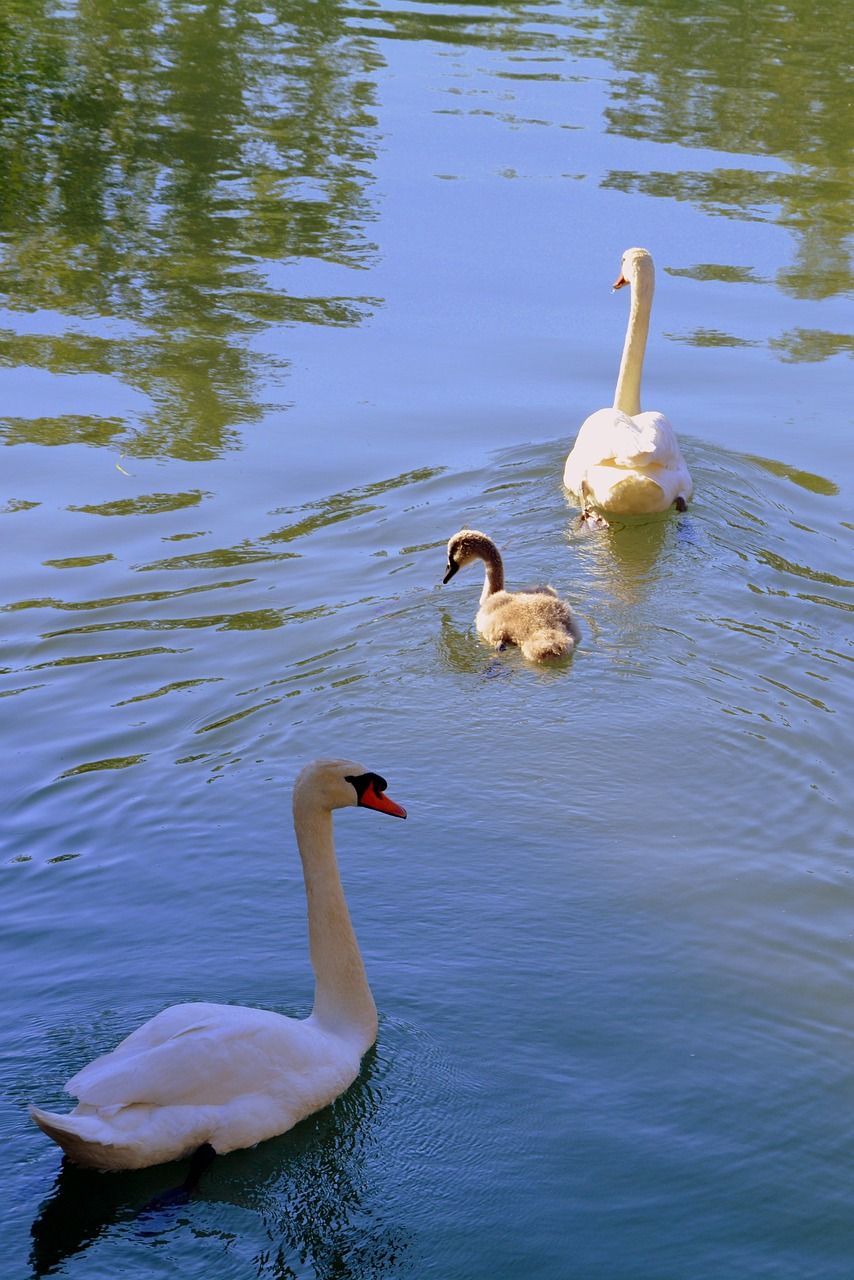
(656, 442)
(201, 1055)
(175, 1020)
(610, 437)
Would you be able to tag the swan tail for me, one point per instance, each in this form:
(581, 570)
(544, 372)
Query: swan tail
(69, 1132)
(547, 644)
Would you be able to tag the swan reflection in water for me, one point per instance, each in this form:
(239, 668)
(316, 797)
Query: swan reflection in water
(314, 1190)
(626, 563)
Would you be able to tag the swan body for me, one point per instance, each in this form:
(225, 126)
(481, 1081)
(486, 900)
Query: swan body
(538, 621)
(625, 462)
(227, 1075)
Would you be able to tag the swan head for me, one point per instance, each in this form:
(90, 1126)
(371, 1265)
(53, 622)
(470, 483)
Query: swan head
(465, 546)
(636, 267)
(339, 784)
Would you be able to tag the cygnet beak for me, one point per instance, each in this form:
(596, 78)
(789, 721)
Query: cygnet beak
(451, 570)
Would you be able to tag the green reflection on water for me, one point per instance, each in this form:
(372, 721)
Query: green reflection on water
(312, 517)
(79, 562)
(721, 271)
(803, 479)
(702, 337)
(108, 602)
(175, 686)
(746, 79)
(812, 345)
(154, 158)
(80, 659)
(729, 76)
(166, 169)
(68, 428)
(113, 762)
(145, 505)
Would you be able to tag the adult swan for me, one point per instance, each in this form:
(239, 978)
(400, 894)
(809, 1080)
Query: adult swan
(624, 462)
(220, 1076)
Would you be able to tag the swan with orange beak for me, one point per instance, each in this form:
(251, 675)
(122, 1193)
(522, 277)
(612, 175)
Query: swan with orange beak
(210, 1078)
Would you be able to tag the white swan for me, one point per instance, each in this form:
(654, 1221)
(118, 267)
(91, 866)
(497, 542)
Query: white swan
(536, 620)
(624, 462)
(230, 1076)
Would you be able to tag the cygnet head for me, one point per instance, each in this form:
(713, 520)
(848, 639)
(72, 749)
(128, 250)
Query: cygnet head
(465, 546)
(337, 784)
(636, 266)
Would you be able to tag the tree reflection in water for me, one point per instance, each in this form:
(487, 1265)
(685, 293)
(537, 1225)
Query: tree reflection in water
(744, 79)
(166, 170)
(156, 160)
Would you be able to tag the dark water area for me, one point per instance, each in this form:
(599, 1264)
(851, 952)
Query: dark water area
(288, 295)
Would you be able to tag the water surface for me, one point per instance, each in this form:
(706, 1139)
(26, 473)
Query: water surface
(291, 293)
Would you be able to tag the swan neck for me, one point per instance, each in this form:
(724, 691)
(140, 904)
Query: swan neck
(494, 576)
(342, 997)
(627, 394)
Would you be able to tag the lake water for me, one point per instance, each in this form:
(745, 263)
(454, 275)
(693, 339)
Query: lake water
(290, 292)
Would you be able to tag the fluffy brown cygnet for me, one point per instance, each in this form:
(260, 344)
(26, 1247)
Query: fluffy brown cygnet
(537, 621)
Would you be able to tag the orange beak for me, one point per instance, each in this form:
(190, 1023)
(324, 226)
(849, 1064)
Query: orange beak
(620, 282)
(372, 799)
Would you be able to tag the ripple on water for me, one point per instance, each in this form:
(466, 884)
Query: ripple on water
(736, 610)
(671, 834)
